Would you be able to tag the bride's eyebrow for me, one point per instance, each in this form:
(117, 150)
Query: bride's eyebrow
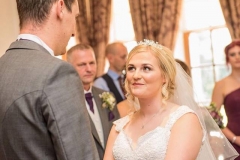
(147, 64)
(144, 64)
(130, 65)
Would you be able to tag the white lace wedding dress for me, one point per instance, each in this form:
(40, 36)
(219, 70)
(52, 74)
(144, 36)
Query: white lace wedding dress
(150, 146)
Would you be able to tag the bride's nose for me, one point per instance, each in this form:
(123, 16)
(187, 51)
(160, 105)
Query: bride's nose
(137, 75)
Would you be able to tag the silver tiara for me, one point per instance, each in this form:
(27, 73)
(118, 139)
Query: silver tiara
(150, 43)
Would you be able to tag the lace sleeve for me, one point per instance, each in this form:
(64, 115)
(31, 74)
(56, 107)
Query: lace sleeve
(120, 123)
(177, 114)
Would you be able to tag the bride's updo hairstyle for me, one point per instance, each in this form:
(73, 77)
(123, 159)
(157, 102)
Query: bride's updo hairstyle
(166, 64)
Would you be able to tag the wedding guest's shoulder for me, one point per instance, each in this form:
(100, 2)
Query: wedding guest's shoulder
(99, 89)
(124, 108)
(221, 83)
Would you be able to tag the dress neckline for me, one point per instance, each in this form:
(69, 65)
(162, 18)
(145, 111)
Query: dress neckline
(140, 138)
(135, 145)
(231, 92)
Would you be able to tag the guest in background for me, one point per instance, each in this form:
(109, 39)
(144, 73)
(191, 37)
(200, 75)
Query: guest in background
(82, 57)
(124, 108)
(116, 54)
(226, 92)
(42, 107)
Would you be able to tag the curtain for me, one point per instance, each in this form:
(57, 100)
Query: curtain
(156, 20)
(231, 13)
(92, 27)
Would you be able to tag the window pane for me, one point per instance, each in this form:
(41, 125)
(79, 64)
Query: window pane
(122, 27)
(202, 13)
(220, 38)
(200, 48)
(120, 6)
(130, 45)
(203, 83)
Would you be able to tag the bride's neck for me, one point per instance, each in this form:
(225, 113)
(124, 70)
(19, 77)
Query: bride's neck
(149, 107)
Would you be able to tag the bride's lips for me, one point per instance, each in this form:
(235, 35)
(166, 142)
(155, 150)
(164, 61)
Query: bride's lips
(137, 84)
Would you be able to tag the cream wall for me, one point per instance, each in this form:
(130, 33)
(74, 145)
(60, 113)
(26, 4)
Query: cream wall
(9, 24)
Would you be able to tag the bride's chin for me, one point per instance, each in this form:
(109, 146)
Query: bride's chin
(137, 94)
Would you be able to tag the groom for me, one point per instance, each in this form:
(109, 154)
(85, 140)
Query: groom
(83, 59)
(42, 110)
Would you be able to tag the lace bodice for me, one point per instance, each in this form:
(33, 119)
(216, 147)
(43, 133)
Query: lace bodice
(150, 146)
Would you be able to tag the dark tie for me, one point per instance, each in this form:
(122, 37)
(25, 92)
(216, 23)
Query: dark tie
(88, 97)
(120, 80)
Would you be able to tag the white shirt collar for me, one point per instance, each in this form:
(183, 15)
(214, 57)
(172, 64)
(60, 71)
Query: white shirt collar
(36, 39)
(89, 91)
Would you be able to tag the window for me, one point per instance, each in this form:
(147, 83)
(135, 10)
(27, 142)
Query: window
(205, 36)
(121, 26)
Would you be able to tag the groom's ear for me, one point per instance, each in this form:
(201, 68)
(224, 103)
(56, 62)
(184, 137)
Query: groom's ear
(59, 8)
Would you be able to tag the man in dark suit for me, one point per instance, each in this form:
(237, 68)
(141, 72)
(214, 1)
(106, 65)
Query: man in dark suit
(112, 81)
(42, 106)
(82, 57)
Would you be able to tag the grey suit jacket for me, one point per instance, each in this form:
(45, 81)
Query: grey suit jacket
(42, 107)
(106, 123)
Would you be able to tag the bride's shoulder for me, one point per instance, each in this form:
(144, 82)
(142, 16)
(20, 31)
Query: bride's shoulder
(121, 123)
(180, 113)
(176, 108)
(180, 110)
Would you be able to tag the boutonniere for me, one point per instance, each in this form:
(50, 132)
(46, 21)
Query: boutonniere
(216, 115)
(108, 100)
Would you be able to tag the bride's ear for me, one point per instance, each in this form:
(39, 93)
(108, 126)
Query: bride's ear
(164, 79)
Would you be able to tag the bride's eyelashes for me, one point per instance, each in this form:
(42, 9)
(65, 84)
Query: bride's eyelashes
(130, 68)
(143, 68)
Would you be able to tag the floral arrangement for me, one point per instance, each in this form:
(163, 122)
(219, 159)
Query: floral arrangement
(108, 100)
(216, 115)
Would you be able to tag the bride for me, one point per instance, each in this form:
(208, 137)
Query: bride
(167, 123)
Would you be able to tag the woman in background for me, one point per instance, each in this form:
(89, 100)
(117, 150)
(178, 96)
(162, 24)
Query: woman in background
(227, 92)
(124, 108)
(184, 66)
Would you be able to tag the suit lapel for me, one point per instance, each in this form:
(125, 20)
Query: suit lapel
(103, 113)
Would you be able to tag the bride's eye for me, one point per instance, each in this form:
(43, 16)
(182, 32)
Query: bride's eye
(146, 68)
(130, 68)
